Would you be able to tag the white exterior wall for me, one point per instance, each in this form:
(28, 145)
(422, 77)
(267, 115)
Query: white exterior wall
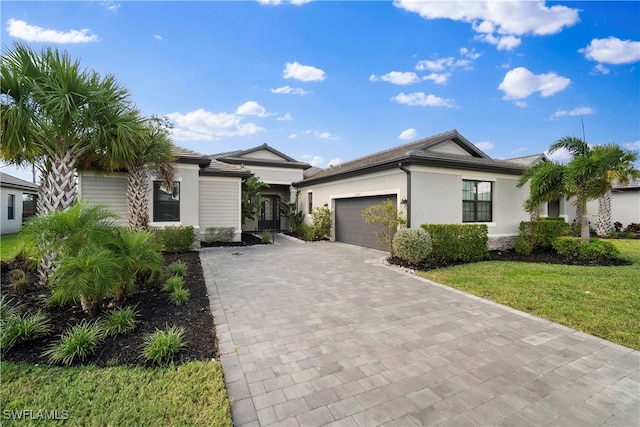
(374, 184)
(188, 176)
(10, 226)
(437, 198)
(625, 208)
(274, 175)
(220, 203)
(109, 190)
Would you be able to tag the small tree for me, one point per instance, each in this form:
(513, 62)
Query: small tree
(387, 218)
(251, 197)
(322, 222)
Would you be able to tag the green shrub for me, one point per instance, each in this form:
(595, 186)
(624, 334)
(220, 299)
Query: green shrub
(120, 321)
(593, 250)
(631, 235)
(177, 268)
(458, 242)
(412, 244)
(20, 328)
(219, 234)
(322, 222)
(307, 232)
(175, 239)
(172, 283)
(8, 308)
(179, 295)
(20, 286)
(161, 347)
(613, 234)
(522, 245)
(386, 218)
(16, 275)
(541, 234)
(76, 344)
(266, 237)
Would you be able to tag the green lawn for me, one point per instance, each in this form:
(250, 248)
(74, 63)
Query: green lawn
(189, 394)
(10, 245)
(602, 301)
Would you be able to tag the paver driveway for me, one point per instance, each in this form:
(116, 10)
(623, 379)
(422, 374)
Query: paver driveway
(322, 333)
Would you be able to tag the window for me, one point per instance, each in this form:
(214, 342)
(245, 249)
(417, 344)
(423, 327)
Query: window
(166, 204)
(477, 199)
(29, 203)
(11, 206)
(310, 200)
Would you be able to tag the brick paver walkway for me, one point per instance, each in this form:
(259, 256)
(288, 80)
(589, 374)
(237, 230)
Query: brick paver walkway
(323, 334)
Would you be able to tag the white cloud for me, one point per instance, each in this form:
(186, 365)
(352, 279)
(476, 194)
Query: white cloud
(319, 162)
(484, 146)
(423, 100)
(397, 78)
(437, 78)
(498, 22)
(110, 5)
(612, 50)
(280, 2)
(321, 135)
(31, 33)
(442, 68)
(334, 162)
(292, 136)
(252, 108)
(300, 2)
(519, 83)
(632, 145)
(201, 125)
(158, 37)
(578, 111)
(270, 2)
(561, 155)
(408, 134)
(521, 104)
(286, 118)
(288, 90)
(306, 73)
(599, 69)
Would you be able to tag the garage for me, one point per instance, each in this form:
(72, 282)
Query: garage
(349, 224)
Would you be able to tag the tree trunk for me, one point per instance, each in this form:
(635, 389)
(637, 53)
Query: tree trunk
(137, 198)
(87, 305)
(584, 223)
(604, 215)
(60, 187)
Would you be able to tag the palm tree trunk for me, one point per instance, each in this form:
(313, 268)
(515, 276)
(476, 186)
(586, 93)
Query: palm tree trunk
(584, 219)
(60, 187)
(604, 215)
(137, 198)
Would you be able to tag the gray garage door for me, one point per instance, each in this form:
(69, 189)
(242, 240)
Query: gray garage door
(350, 226)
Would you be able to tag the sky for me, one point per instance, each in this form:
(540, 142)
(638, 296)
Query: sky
(329, 81)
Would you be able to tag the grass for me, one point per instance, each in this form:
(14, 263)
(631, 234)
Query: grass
(10, 245)
(185, 395)
(601, 301)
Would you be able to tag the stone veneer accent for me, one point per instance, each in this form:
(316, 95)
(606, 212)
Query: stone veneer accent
(501, 243)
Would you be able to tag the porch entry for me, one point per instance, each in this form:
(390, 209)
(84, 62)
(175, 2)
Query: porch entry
(270, 213)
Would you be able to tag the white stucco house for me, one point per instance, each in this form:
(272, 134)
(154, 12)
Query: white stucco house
(440, 179)
(18, 202)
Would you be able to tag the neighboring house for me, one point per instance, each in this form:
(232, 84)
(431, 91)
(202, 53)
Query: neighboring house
(19, 199)
(277, 170)
(206, 193)
(442, 179)
(625, 205)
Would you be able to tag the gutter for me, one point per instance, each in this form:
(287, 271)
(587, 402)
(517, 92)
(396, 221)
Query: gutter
(408, 172)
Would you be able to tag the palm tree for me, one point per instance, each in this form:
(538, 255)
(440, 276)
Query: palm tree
(153, 154)
(251, 197)
(59, 116)
(546, 185)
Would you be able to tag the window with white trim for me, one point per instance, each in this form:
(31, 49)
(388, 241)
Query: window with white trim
(166, 204)
(477, 201)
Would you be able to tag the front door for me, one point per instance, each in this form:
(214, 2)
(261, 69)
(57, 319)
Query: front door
(270, 213)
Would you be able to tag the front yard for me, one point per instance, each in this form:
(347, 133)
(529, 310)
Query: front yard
(601, 301)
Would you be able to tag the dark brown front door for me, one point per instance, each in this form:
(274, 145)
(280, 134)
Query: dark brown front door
(270, 213)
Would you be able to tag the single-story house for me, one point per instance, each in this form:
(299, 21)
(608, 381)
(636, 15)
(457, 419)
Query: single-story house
(440, 179)
(19, 199)
(625, 205)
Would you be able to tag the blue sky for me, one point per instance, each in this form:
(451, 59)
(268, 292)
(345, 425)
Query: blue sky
(329, 81)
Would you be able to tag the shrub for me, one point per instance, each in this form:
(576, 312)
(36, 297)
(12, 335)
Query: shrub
(458, 242)
(386, 218)
(176, 239)
(20, 328)
(593, 250)
(177, 268)
(523, 246)
(631, 235)
(540, 234)
(219, 234)
(322, 222)
(76, 344)
(8, 308)
(634, 227)
(613, 234)
(266, 237)
(179, 295)
(307, 232)
(412, 244)
(173, 283)
(16, 275)
(120, 321)
(162, 346)
(20, 286)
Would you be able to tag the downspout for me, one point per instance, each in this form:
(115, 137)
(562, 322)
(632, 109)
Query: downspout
(408, 172)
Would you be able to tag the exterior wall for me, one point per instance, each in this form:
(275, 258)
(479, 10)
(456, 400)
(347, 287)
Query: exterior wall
(275, 190)
(189, 178)
(220, 203)
(10, 226)
(273, 175)
(625, 208)
(437, 199)
(109, 190)
(374, 184)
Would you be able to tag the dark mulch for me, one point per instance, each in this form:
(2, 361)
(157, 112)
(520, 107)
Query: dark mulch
(155, 312)
(541, 257)
(248, 239)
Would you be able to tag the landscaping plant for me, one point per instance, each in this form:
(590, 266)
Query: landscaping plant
(322, 222)
(412, 245)
(19, 328)
(172, 283)
(162, 346)
(454, 243)
(387, 219)
(179, 295)
(177, 268)
(76, 344)
(175, 239)
(120, 321)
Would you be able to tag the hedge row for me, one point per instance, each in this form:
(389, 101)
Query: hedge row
(458, 242)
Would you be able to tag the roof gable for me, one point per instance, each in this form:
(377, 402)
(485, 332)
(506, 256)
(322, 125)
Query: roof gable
(263, 155)
(13, 182)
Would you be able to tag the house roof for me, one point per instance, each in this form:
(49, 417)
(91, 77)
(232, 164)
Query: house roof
(529, 160)
(13, 182)
(427, 151)
(184, 155)
(218, 168)
(634, 184)
(262, 155)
